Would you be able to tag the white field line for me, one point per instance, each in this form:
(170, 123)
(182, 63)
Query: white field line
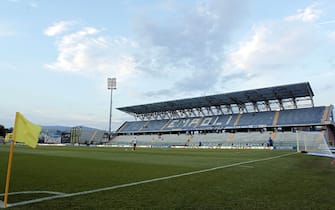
(34, 192)
(66, 195)
(246, 166)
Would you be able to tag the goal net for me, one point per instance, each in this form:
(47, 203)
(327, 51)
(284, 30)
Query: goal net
(314, 143)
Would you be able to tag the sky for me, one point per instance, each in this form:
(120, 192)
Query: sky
(56, 56)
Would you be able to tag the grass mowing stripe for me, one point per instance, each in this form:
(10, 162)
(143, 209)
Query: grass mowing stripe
(143, 182)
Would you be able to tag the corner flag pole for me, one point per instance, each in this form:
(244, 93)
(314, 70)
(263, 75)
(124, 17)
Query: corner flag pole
(8, 173)
(26, 132)
(9, 167)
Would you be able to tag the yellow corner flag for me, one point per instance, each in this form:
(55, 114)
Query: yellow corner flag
(8, 137)
(25, 131)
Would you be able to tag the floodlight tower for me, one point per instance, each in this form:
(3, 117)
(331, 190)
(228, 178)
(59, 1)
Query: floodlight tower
(111, 85)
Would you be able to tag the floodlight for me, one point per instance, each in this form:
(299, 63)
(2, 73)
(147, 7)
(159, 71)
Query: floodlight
(111, 85)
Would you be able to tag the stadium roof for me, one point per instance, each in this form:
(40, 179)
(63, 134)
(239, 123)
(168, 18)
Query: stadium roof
(291, 91)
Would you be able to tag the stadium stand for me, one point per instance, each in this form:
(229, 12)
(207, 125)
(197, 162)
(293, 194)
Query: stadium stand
(294, 117)
(237, 119)
(304, 116)
(73, 135)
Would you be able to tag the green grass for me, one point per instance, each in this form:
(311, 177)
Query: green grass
(297, 181)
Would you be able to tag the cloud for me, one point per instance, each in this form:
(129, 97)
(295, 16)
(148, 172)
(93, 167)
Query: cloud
(165, 92)
(192, 51)
(272, 46)
(276, 51)
(58, 28)
(189, 44)
(88, 51)
(186, 48)
(308, 14)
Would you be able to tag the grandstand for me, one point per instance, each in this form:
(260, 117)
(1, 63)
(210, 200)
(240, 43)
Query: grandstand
(73, 135)
(238, 119)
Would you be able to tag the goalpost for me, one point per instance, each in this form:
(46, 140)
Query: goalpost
(313, 143)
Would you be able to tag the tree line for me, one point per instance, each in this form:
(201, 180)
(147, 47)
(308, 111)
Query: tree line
(4, 130)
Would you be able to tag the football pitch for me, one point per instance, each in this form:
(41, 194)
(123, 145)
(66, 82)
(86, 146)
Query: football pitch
(51, 177)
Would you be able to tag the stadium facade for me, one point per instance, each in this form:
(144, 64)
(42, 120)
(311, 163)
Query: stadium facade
(247, 117)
